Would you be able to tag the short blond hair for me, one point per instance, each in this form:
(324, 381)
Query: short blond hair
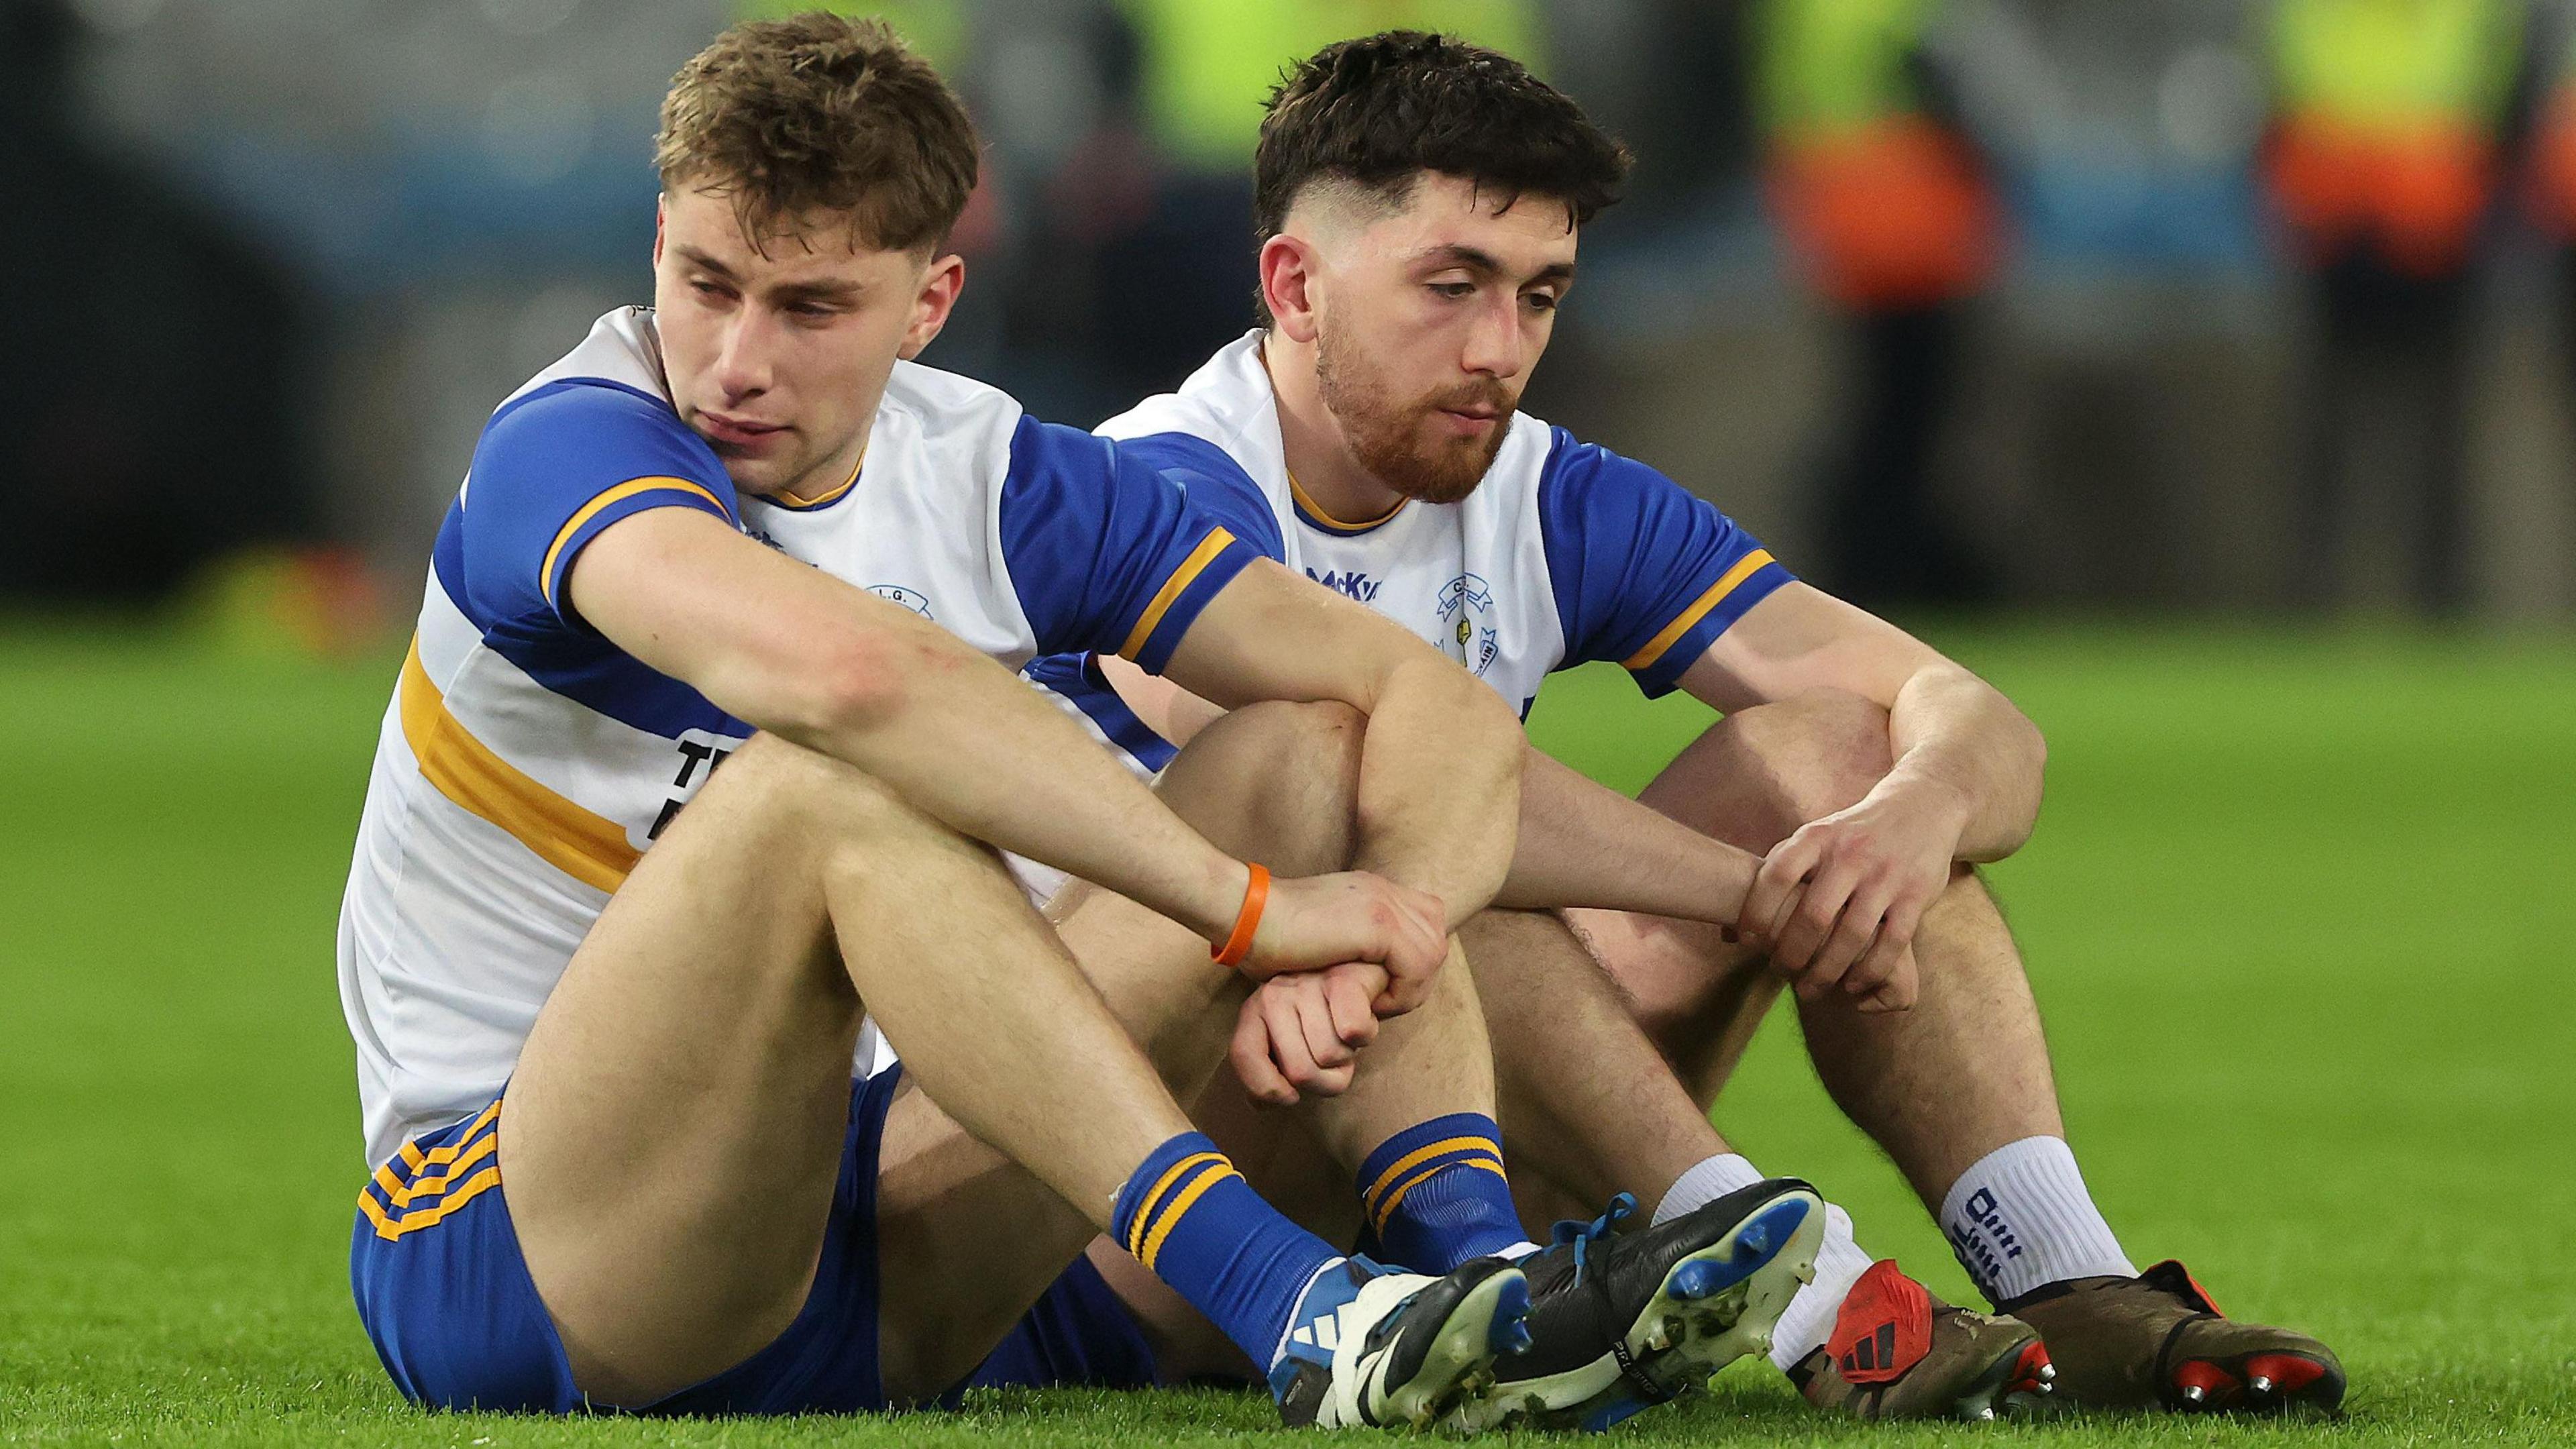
(816, 116)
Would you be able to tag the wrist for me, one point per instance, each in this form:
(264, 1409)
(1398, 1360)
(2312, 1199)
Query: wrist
(1236, 948)
(1430, 883)
(1942, 799)
(1219, 900)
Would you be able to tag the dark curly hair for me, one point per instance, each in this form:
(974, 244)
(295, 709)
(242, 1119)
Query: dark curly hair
(817, 116)
(1380, 110)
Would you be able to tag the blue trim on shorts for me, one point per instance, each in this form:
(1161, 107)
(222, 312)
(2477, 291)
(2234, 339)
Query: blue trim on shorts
(457, 1321)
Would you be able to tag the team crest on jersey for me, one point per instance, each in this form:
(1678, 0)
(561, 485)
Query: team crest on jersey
(913, 599)
(1467, 627)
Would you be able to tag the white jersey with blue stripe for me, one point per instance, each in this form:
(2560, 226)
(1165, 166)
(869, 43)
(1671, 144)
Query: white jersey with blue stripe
(526, 763)
(1565, 553)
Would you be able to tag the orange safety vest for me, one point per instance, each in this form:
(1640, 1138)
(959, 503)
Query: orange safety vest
(1893, 214)
(1883, 206)
(2386, 140)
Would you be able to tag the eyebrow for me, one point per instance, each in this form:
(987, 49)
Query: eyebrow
(1474, 259)
(830, 291)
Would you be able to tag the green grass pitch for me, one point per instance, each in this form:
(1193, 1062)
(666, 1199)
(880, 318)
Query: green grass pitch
(2300, 912)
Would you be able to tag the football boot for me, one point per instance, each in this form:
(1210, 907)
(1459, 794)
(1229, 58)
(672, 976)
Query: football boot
(1621, 1321)
(1367, 1347)
(1898, 1352)
(2157, 1342)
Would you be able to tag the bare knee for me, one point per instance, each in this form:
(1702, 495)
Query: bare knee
(1760, 773)
(1275, 781)
(785, 788)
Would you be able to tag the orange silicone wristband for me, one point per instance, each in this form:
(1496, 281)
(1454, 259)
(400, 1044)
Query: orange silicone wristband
(1256, 894)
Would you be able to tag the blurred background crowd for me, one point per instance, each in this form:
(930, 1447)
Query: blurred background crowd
(2204, 305)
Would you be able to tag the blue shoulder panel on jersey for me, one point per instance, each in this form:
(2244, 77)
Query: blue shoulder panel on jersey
(1646, 573)
(556, 467)
(578, 664)
(1105, 552)
(1215, 483)
(1077, 677)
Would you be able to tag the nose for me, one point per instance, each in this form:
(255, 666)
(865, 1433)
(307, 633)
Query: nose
(743, 363)
(1498, 340)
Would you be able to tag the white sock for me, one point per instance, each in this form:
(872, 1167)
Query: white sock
(2021, 1217)
(1704, 1183)
(1809, 1319)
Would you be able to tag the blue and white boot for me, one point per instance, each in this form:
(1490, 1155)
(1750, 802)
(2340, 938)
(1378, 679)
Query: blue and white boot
(1621, 1322)
(1367, 1347)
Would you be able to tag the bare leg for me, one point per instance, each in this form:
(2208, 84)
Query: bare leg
(1938, 1087)
(1961, 1074)
(1275, 783)
(672, 1134)
(1588, 1108)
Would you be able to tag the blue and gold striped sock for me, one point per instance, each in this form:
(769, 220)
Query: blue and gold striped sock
(1191, 1218)
(1436, 1195)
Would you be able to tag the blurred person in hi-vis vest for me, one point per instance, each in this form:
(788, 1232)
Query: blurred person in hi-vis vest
(2386, 151)
(1886, 204)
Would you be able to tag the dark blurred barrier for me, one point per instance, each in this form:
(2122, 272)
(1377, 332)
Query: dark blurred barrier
(151, 413)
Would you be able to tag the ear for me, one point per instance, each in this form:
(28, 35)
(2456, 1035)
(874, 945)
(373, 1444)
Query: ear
(941, 284)
(1291, 271)
(661, 221)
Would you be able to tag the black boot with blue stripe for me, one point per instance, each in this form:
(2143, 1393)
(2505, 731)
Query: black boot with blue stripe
(1621, 1321)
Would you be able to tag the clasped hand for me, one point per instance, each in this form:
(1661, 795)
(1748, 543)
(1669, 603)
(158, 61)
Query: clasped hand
(1334, 954)
(1838, 902)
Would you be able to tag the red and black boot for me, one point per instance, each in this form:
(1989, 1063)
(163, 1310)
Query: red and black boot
(1897, 1352)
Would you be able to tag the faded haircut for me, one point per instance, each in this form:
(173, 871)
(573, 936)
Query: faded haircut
(1376, 112)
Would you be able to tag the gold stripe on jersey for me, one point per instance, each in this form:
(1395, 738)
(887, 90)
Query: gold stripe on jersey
(1726, 584)
(590, 510)
(1331, 524)
(789, 500)
(590, 848)
(1191, 567)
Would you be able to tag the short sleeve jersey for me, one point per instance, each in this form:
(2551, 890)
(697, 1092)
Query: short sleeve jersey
(1565, 554)
(526, 763)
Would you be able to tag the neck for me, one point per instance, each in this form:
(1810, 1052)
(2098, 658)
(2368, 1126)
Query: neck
(1319, 458)
(828, 479)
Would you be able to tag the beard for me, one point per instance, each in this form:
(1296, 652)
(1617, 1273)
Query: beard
(1387, 436)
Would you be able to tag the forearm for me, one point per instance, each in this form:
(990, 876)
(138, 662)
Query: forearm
(1440, 781)
(1583, 844)
(965, 741)
(1958, 739)
(793, 651)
